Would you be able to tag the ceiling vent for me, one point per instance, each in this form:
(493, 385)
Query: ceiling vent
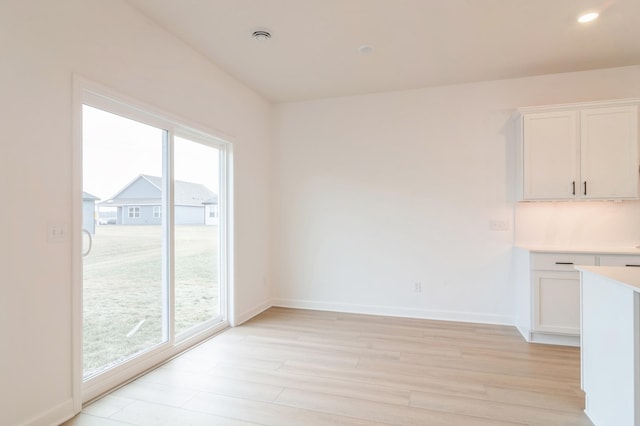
(261, 35)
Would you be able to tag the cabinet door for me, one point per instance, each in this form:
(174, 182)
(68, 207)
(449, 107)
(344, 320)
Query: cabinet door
(556, 302)
(609, 152)
(550, 149)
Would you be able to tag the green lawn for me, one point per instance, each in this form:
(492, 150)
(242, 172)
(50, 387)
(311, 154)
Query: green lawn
(123, 296)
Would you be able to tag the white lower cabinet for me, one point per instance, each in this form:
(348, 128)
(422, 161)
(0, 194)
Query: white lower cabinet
(548, 293)
(556, 304)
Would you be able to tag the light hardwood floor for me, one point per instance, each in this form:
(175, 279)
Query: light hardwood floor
(297, 367)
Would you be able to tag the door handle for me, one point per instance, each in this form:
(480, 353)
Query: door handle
(85, 253)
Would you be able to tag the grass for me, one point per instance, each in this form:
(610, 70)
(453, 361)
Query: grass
(123, 295)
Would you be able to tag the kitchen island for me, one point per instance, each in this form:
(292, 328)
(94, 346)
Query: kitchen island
(610, 344)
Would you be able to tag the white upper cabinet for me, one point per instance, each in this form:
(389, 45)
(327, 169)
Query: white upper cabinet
(550, 147)
(609, 152)
(579, 151)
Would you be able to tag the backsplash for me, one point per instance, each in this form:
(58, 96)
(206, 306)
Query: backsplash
(578, 223)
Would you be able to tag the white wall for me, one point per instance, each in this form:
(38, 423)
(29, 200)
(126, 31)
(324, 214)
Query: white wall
(377, 192)
(42, 43)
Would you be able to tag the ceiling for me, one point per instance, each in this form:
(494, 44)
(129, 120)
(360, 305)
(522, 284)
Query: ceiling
(313, 52)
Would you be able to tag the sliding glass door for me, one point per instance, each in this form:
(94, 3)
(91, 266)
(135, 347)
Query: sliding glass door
(154, 203)
(196, 227)
(125, 307)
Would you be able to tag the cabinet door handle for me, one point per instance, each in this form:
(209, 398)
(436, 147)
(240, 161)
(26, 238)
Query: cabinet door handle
(564, 263)
(573, 184)
(585, 187)
(633, 266)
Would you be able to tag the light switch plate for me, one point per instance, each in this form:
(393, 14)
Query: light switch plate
(55, 232)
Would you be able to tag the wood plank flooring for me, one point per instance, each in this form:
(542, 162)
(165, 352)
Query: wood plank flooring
(297, 367)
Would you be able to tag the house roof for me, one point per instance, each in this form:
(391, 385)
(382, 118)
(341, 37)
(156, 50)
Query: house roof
(131, 202)
(89, 197)
(185, 193)
(212, 200)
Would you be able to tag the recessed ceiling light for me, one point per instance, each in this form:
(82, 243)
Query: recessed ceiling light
(261, 35)
(365, 49)
(588, 17)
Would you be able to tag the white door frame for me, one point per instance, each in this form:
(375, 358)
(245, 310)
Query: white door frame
(87, 92)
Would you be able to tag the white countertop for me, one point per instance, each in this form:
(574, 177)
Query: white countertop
(579, 249)
(624, 275)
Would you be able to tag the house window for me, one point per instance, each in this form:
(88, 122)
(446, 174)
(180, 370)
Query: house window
(134, 212)
(156, 212)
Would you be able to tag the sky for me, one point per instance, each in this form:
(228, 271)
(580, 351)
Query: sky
(116, 150)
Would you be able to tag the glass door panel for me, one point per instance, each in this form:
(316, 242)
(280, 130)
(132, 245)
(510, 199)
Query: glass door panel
(196, 237)
(125, 310)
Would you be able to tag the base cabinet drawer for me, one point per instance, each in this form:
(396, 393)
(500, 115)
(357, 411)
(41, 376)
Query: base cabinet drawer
(556, 302)
(620, 260)
(560, 261)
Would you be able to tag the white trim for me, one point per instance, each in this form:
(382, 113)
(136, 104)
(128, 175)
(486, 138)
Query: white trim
(581, 105)
(226, 223)
(255, 311)
(168, 238)
(54, 416)
(107, 98)
(555, 339)
(146, 362)
(548, 338)
(389, 311)
(524, 332)
(393, 311)
(588, 413)
(76, 248)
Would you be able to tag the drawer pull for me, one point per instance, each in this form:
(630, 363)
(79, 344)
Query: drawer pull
(564, 263)
(633, 266)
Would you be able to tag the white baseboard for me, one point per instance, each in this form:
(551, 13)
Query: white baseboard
(53, 416)
(555, 339)
(250, 313)
(395, 311)
(548, 338)
(588, 414)
(524, 332)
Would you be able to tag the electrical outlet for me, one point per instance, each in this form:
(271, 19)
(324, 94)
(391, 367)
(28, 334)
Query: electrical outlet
(498, 225)
(417, 287)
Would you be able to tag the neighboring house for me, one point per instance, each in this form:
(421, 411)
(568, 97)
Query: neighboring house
(89, 212)
(140, 202)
